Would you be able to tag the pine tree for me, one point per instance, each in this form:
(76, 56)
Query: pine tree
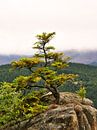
(44, 67)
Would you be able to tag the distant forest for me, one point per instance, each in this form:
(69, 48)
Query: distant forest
(87, 75)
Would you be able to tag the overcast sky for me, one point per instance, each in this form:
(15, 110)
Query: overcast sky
(74, 21)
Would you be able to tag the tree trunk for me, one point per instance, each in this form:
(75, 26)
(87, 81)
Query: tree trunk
(55, 93)
(57, 97)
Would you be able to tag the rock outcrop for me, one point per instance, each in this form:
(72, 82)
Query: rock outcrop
(71, 114)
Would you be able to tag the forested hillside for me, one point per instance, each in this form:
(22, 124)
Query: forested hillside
(87, 74)
(8, 74)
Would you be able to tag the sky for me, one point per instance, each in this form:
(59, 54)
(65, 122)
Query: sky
(74, 21)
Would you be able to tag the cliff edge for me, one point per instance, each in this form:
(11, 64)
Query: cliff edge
(71, 114)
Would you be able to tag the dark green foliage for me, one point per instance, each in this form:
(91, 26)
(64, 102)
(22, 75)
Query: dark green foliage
(16, 107)
(8, 102)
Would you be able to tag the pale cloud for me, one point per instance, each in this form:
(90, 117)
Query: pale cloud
(74, 21)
